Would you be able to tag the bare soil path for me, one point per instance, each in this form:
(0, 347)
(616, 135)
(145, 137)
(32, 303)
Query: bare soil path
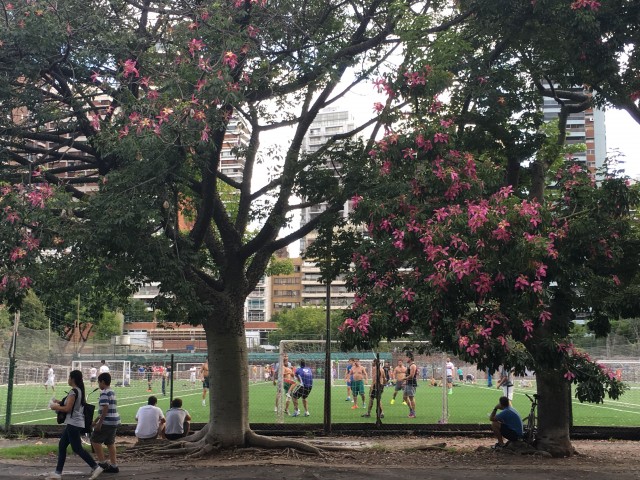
(373, 459)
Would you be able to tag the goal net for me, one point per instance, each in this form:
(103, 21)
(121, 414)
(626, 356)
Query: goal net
(313, 352)
(120, 370)
(29, 392)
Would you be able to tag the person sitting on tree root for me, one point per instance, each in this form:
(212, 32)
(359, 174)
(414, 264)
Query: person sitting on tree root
(506, 424)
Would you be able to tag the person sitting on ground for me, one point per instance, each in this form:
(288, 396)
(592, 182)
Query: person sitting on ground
(178, 421)
(150, 421)
(506, 424)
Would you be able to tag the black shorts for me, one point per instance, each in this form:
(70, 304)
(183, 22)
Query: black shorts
(508, 433)
(376, 392)
(301, 391)
(205, 383)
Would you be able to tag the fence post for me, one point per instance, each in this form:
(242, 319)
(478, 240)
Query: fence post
(12, 370)
(327, 364)
(171, 380)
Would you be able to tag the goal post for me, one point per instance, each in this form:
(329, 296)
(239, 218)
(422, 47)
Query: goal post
(314, 354)
(120, 370)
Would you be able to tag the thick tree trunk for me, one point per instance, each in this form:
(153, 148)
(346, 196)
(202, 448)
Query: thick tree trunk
(229, 387)
(554, 413)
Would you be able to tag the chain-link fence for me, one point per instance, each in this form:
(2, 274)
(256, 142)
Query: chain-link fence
(457, 394)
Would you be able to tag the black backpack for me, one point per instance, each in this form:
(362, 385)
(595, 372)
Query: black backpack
(87, 409)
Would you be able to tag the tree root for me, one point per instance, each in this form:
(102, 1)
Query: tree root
(254, 440)
(199, 435)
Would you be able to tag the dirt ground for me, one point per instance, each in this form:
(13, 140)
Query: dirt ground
(372, 459)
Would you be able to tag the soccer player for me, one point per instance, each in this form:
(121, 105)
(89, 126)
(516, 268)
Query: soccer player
(505, 382)
(359, 377)
(305, 377)
(399, 375)
(204, 375)
(51, 380)
(193, 374)
(410, 385)
(378, 381)
(103, 367)
(93, 374)
(450, 367)
(349, 378)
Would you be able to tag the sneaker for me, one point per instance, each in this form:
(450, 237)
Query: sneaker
(204, 403)
(275, 409)
(382, 415)
(286, 412)
(103, 465)
(392, 401)
(96, 472)
(367, 415)
(404, 403)
(296, 413)
(111, 469)
(355, 406)
(412, 415)
(307, 414)
(54, 476)
(450, 391)
(498, 446)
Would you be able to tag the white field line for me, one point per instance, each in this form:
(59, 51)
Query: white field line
(578, 403)
(144, 402)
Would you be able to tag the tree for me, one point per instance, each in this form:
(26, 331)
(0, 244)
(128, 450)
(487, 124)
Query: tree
(303, 323)
(127, 106)
(32, 314)
(455, 255)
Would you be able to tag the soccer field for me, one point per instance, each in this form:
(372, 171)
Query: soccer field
(467, 404)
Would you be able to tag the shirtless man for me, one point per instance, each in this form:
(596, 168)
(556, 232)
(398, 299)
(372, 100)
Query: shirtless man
(287, 381)
(378, 381)
(411, 382)
(204, 376)
(359, 374)
(399, 374)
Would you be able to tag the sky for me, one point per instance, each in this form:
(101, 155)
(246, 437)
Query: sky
(623, 135)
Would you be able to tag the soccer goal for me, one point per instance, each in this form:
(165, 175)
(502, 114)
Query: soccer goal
(30, 395)
(120, 370)
(314, 354)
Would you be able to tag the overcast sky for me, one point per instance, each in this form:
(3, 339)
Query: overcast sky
(623, 135)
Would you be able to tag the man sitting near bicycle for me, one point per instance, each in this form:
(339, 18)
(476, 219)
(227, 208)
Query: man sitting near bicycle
(506, 424)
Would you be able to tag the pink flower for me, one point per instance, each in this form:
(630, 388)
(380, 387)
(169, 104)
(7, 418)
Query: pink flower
(536, 286)
(95, 76)
(204, 136)
(463, 341)
(569, 375)
(545, 316)
(408, 294)
(12, 217)
(473, 350)
(130, 68)
(378, 107)
(24, 282)
(521, 282)
(355, 200)
(528, 325)
(17, 253)
(440, 138)
(230, 59)
(195, 45)
(615, 279)
(349, 323)
(252, 31)
(586, 4)
(403, 316)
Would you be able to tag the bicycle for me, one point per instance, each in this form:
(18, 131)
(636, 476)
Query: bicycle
(530, 422)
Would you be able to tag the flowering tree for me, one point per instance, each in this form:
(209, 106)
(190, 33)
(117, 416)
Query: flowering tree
(455, 255)
(136, 109)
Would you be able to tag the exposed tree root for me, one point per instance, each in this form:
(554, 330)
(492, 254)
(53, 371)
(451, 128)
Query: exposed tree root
(199, 435)
(254, 440)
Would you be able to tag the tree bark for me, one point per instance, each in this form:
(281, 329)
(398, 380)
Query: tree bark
(554, 413)
(228, 386)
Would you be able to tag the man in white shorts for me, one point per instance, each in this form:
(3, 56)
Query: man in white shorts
(192, 374)
(51, 380)
(93, 374)
(506, 383)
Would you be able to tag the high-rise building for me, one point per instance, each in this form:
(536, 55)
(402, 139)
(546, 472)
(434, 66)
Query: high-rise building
(586, 127)
(329, 122)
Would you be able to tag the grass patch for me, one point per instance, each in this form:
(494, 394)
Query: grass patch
(25, 452)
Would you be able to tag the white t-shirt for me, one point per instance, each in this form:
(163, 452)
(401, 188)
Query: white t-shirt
(93, 372)
(148, 418)
(104, 369)
(450, 368)
(175, 421)
(192, 372)
(51, 376)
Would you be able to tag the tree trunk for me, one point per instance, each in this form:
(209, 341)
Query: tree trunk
(228, 385)
(554, 413)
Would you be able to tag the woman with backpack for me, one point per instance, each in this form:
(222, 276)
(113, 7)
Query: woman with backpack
(73, 407)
